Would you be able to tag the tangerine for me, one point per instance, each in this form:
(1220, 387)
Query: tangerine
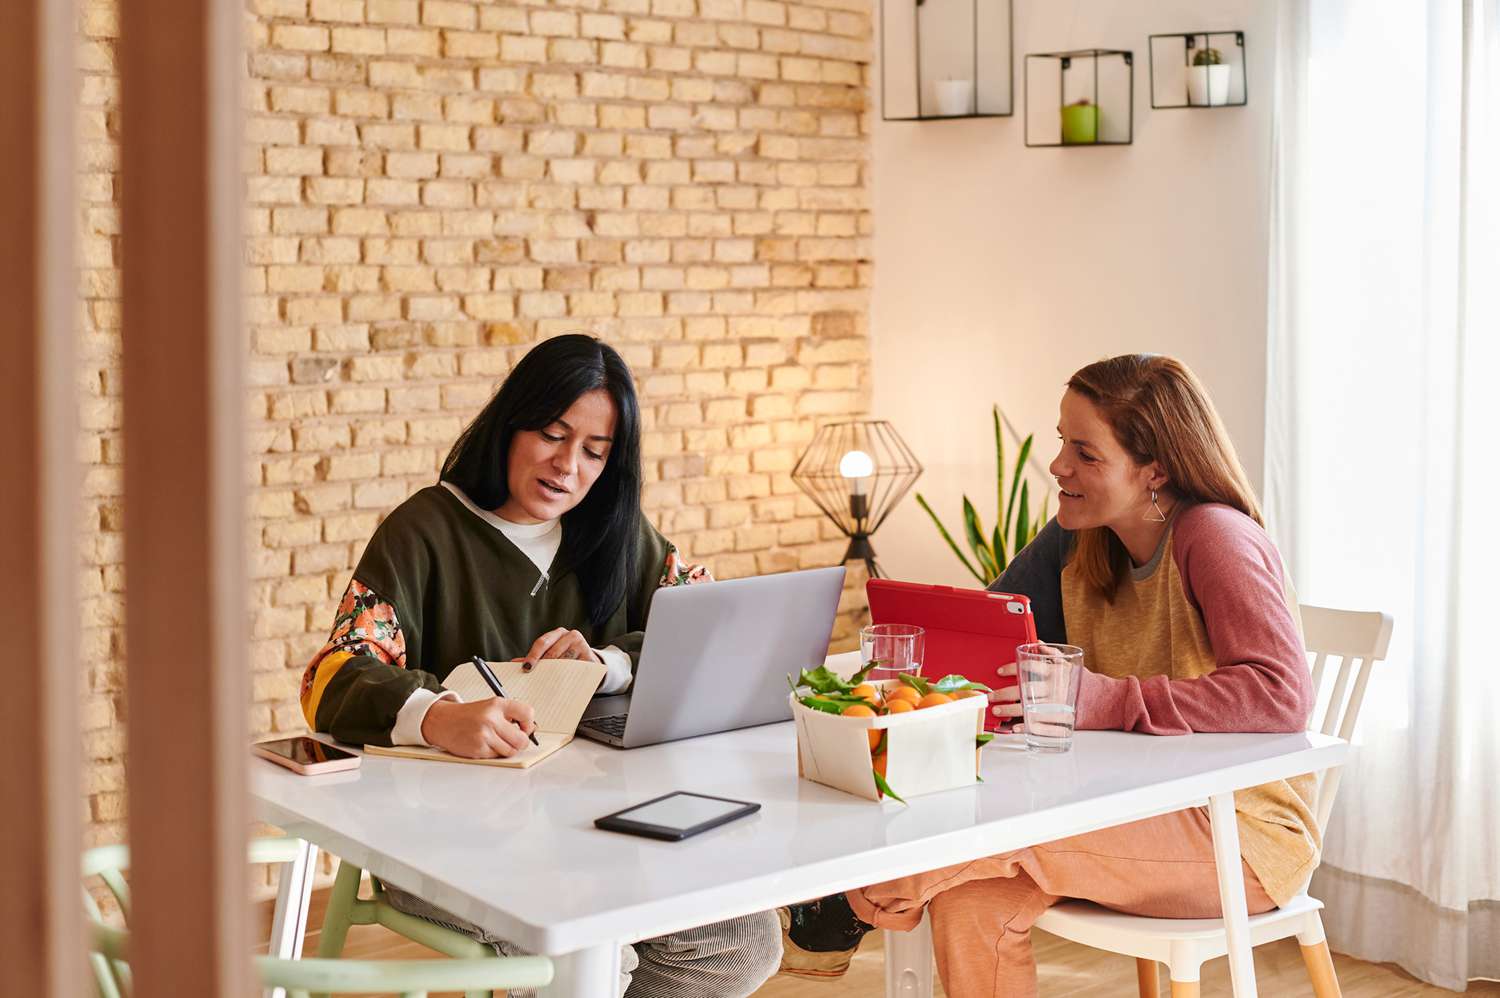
(933, 700)
(866, 692)
(879, 763)
(899, 706)
(903, 692)
(862, 710)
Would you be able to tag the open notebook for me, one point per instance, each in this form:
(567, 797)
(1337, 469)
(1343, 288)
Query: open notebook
(557, 689)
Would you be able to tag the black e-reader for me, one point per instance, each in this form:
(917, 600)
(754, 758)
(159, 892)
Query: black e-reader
(676, 816)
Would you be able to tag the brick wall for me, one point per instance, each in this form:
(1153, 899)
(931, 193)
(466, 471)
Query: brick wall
(435, 185)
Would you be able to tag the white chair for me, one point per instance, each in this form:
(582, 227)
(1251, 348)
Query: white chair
(1358, 639)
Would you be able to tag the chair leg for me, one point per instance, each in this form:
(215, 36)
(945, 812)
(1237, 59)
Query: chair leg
(1147, 980)
(1325, 983)
(1185, 989)
(338, 917)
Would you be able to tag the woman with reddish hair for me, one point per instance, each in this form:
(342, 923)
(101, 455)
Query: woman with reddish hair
(1158, 566)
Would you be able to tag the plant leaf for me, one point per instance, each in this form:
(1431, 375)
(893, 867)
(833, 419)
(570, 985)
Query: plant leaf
(975, 534)
(956, 682)
(947, 537)
(916, 682)
(997, 544)
(1023, 521)
(880, 746)
(1016, 483)
(826, 706)
(999, 468)
(984, 739)
(885, 787)
(823, 680)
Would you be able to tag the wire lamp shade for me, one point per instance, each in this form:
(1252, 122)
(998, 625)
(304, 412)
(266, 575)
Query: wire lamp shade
(856, 472)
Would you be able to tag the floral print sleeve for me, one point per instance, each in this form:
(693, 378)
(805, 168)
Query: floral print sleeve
(364, 625)
(678, 572)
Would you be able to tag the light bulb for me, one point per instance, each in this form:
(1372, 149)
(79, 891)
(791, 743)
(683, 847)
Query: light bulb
(857, 466)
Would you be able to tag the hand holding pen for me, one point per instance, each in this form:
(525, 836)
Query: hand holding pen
(493, 682)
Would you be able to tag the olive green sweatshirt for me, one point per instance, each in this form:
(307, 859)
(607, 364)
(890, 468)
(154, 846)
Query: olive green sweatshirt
(436, 586)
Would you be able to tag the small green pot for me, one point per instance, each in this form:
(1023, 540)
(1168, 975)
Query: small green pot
(1080, 124)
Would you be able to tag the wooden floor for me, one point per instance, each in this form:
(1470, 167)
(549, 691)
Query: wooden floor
(1064, 969)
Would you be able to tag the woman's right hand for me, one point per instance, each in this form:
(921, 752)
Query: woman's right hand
(1005, 702)
(485, 729)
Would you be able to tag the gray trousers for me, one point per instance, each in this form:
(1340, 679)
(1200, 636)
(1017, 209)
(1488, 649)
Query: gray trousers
(728, 959)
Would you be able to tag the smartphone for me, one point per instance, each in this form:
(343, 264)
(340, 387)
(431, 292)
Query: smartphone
(306, 756)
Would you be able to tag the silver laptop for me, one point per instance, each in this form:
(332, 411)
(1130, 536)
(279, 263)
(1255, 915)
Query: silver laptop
(717, 655)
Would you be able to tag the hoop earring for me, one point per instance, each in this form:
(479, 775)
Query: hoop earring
(1156, 516)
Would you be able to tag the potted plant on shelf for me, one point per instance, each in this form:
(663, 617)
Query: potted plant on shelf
(1208, 78)
(1080, 123)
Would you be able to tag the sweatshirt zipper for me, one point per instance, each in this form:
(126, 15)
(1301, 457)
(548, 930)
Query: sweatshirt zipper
(540, 582)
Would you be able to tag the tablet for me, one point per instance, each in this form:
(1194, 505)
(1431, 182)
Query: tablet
(970, 632)
(676, 816)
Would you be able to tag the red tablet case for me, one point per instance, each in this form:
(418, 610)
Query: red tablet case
(970, 632)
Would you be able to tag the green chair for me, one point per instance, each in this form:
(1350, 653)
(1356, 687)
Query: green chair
(346, 908)
(302, 978)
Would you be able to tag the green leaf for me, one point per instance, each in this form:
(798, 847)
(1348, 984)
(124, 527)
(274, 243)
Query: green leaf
(997, 544)
(1023, 521)
(823, 680)
(947, 537)
(999, 470)
(826, 706)
(859, 676)
(975, 534)
(880, 746)
(885, 787)
(1016, 483)
(985, 739)
(916, 682)
(956, 682)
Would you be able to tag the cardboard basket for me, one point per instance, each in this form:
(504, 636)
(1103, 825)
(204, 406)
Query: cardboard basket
(926, 750)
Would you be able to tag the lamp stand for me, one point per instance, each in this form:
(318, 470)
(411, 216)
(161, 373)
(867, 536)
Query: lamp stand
(860, 549)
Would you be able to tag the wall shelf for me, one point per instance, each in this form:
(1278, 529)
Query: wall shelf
(944, 59)
(1183, 76)
(1085, 97)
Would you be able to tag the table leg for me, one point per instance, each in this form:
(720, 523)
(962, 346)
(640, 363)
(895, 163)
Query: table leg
(1232, 894)
(293, 897)
(908, 961)
(586, 973)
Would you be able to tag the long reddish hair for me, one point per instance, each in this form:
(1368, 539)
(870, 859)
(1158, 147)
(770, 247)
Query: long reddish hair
(1159, 411)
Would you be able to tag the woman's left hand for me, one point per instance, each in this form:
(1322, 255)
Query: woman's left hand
(560, 642)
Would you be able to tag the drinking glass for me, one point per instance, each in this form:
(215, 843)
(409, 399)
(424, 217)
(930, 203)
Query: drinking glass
(892, 649)
(1049, 677)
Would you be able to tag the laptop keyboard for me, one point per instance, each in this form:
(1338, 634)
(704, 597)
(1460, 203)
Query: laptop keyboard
(610, 724)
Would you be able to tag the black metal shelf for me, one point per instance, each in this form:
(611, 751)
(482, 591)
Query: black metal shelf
(1089, 110)
(1176, 83)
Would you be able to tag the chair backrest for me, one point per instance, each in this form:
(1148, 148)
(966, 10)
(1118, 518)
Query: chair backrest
(1355, 640)
(108, 953)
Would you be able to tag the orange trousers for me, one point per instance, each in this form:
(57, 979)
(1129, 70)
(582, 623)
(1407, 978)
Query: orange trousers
(982, 912)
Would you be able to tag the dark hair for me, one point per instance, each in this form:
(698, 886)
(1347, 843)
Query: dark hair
(599, 534)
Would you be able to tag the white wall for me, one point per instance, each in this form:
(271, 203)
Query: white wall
(1000, 270)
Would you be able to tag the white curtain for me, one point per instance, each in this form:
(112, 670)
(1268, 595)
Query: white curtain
(1383, 447)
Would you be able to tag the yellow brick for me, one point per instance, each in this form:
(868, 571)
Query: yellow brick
(303, 38)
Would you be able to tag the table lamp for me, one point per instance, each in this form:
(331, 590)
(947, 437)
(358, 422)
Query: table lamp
(856, 472)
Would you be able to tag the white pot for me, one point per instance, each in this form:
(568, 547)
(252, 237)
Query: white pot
(954, 97)
(1208, 85)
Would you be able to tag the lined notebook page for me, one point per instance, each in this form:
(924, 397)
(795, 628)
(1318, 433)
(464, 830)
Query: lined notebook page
(558, 690)
(524, 759)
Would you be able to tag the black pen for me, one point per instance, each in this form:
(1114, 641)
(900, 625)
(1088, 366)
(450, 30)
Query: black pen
(494, 683)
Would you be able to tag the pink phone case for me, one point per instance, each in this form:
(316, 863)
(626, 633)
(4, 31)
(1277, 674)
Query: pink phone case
(305, 768)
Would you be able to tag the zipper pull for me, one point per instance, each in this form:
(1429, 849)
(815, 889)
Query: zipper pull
(540, 582)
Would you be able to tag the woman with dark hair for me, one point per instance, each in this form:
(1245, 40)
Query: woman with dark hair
(532, 545)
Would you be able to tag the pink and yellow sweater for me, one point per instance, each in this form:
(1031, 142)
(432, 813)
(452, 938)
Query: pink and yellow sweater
(1203, 637)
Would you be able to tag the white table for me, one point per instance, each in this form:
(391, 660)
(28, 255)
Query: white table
(516, 850)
